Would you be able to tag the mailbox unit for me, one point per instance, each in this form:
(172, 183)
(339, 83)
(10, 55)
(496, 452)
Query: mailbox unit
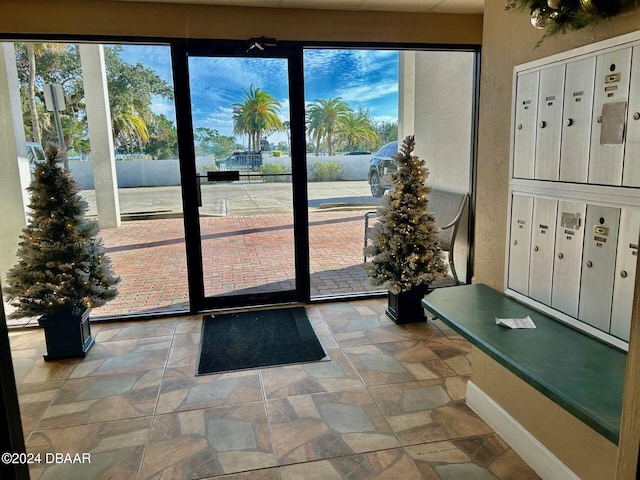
(519, 247)
(543, 232)
(567, 260)
(574, 196)
(598, 265)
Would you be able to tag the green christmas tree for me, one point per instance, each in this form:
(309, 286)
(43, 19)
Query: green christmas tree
(406, 250)
(62, 268)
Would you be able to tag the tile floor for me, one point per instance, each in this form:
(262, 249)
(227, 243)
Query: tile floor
(389, 404)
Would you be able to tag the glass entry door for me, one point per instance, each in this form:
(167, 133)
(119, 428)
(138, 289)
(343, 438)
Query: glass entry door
(242, 162)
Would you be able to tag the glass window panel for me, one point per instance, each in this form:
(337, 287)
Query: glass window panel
(354, 100)
(139, 210)
(240, 110)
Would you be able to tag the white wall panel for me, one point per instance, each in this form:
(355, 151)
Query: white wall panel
(549, 124)
(611, 94)
(598, 265)
(520, 241)
(543, 231)
(625, 274)
(568, 257)
(525, 125)
(631, 170)
(576, 127)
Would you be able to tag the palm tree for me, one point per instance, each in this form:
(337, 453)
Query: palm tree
(128, 126)
(256, 114)
(356, 128)
(287, 128)
(323, 117)
(131, 90)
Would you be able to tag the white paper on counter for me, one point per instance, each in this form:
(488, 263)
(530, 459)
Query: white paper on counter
(525, 322)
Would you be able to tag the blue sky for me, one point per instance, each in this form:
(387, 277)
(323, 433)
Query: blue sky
(365, 79)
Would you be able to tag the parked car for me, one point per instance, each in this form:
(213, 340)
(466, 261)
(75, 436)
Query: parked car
(244, 160)
(381, 167)
(358, 152)
(35, 154)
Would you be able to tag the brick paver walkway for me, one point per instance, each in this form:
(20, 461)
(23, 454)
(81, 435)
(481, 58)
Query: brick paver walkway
(247, 246)
(241, 254)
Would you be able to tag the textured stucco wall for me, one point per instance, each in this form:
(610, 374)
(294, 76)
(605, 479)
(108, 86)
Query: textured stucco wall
(444, 100)
(510, 40)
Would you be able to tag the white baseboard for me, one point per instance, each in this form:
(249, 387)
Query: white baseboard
(534, 453)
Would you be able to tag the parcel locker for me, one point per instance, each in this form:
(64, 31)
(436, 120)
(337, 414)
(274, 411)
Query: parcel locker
(625, 272)
(631, 169)
(576, 120)
(611, 94)
(598, 265)
(520, 240)
(568, 257)
(543, 231)
(525, 125)
(550, 92)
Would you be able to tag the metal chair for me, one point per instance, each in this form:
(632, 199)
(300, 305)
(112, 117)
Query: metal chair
(448, 208)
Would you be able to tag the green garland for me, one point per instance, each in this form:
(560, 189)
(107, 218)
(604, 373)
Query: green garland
(570, 14)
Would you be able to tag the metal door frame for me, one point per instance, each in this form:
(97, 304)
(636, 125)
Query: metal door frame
(180, 53)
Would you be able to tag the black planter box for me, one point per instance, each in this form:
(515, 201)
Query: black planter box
(67, 336)
(406, 307)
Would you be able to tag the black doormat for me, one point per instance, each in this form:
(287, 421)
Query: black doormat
(264, 338)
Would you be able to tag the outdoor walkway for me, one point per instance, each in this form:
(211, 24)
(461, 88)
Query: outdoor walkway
(247, 243)
(241, 254)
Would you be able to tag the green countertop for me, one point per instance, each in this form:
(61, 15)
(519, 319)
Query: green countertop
(581, 374)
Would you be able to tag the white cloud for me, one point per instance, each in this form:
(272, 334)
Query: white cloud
(367, 93)
(285, 110)
(220, 119)
(166, 108)
(350, 66)
(362, 78)
(228, 76)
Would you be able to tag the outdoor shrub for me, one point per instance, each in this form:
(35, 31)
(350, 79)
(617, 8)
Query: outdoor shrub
(273, 169)
(276, 153)
(326, 172)
(209, 168)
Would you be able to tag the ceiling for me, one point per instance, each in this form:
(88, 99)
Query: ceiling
(421, 6)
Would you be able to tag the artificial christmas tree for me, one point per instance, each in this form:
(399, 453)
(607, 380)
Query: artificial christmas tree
(406, 254)
(62, 271)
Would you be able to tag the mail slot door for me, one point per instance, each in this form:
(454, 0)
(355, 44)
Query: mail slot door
(519, 243)
(625, 273)
(611, 94)
(543, 228)
(568, 257)
(524, 143)
(631, 170)
(576, 120)
(550, 94)
(598, 266)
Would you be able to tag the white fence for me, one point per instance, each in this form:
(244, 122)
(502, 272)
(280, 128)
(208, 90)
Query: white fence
(155, 173)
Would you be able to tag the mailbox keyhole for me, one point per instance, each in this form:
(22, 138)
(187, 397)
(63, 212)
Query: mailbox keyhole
(601, 220)
(612, 67)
